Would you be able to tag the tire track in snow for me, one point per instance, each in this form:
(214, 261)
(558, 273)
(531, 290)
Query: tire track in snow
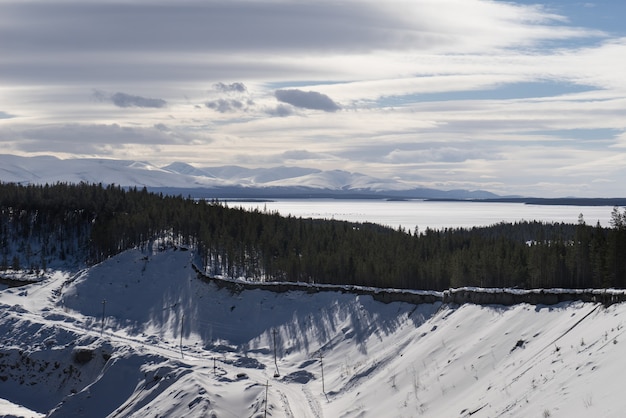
(78, 328)
(314, 404)
(286, 407)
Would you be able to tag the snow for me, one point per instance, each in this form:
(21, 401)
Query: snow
(171, 344)
(10, 410)
(48, 169)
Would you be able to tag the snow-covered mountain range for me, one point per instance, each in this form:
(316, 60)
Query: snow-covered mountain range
(224, 181)
(141, 335)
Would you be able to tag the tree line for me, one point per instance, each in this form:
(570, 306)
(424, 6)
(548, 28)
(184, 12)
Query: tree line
(87, 223)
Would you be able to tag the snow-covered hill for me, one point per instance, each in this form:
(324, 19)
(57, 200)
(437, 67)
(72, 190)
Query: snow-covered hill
(140, 335)
(47, 169)
(228, 180)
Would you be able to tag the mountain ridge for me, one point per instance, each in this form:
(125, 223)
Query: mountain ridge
(229, 181)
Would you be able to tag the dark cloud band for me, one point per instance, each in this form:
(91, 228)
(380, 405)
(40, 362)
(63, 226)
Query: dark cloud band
(307, 100)
(127, 100)
(233, 87)
(225, 105)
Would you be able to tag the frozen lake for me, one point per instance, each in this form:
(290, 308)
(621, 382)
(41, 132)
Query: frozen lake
(435, 215)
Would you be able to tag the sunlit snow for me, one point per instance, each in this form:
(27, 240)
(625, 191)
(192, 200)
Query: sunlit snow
(106, 341)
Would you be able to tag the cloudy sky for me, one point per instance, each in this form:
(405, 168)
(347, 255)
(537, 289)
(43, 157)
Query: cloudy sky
(512, 97)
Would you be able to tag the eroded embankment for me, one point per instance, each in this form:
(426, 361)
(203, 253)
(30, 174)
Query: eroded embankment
(478, 296)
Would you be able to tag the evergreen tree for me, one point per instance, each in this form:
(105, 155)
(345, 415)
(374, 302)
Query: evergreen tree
(91, 222)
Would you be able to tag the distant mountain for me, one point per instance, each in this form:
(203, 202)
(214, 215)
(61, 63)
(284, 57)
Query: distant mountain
(47, 169)
(187, 170)
(259, 176)
(218, 182)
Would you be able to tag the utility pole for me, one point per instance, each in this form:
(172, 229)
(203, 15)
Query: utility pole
(267, 385)
(182, 319)
(322, 366)
(277, 374)
(104, 302)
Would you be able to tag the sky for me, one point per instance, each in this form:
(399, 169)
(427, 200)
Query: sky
(524, 98)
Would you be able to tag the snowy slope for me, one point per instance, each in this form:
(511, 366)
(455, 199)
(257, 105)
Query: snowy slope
(174, 345)
(257, 176)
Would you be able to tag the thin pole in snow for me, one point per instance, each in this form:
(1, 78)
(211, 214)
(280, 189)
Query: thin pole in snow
(322, 367)
(182, 320)
(277, 374)
(104, 302)
(267, 385)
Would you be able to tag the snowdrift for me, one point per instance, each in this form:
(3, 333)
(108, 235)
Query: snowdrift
(141, 335)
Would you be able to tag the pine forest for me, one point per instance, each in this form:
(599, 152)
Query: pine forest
(83, 224)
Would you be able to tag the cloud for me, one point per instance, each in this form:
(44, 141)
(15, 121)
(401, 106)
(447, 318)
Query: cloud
(120, 99)
(268, 25)
(439, 155)
(280, 110)
(89, 139)
(225, 105)
(307, 100)
(127, 100)
(228, 88)
(5, 115)
(302, 155)
(99, 42)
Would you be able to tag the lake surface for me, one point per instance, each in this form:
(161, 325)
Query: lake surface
(434, 215)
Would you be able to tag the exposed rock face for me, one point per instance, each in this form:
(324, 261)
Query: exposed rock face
(534, 297)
